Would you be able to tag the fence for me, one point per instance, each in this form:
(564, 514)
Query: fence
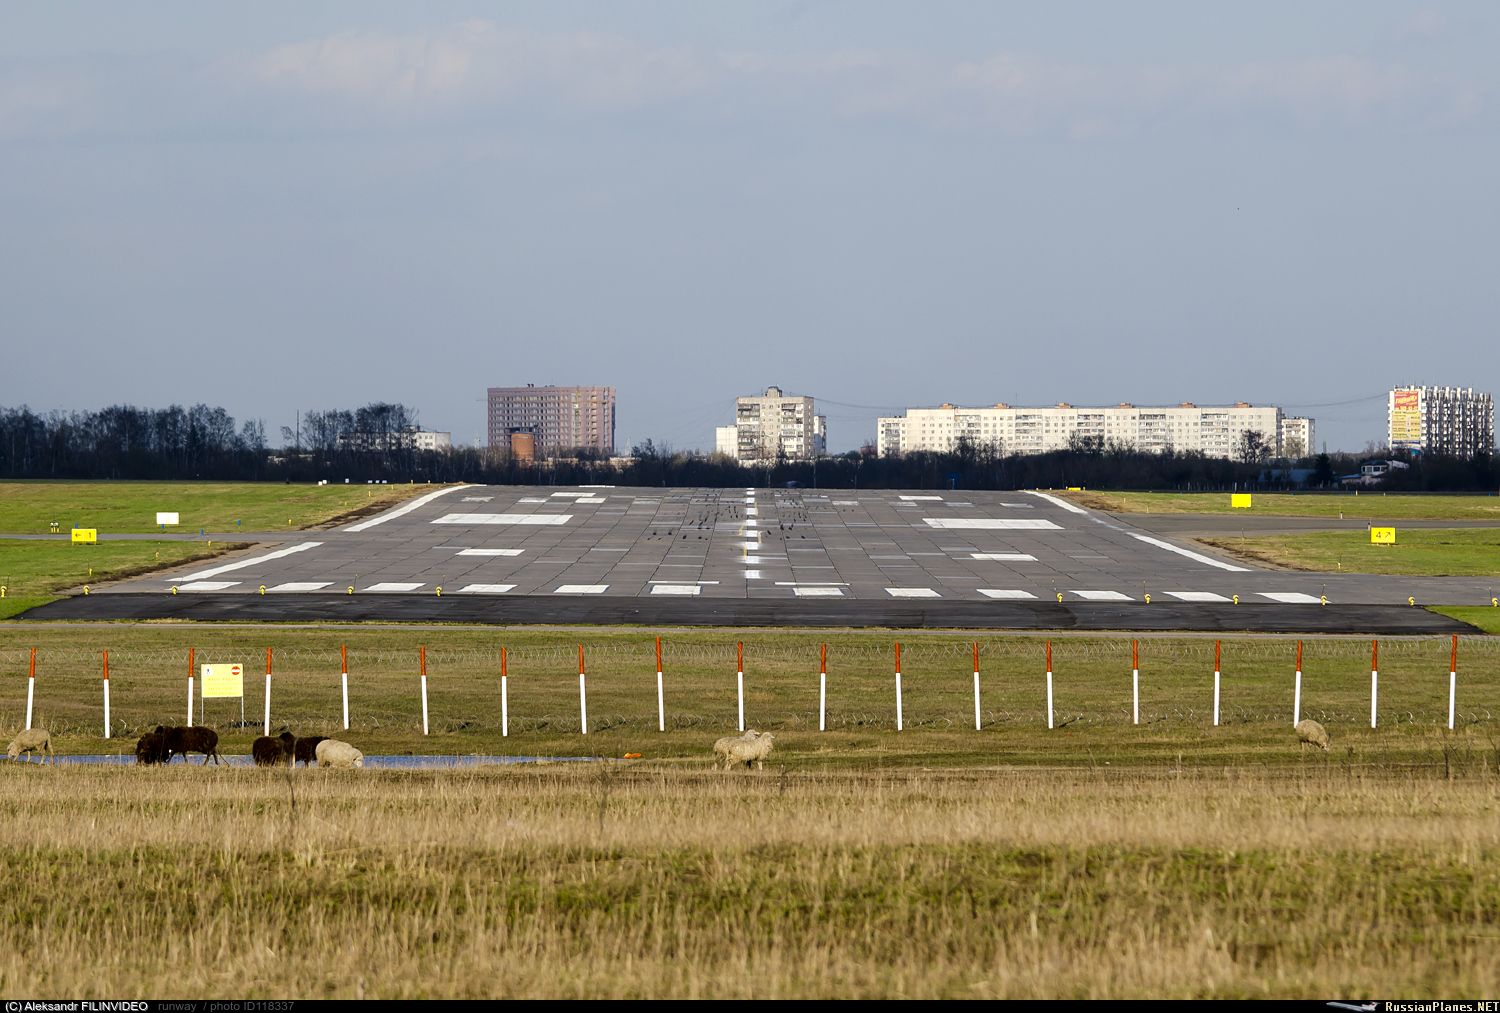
(730, 686)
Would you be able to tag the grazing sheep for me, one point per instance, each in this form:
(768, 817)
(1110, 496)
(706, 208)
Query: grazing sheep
(151, 748)
(333, 753)
(186, 739)
(32, 738)
(1309, 731)
(269, 752)
(752, 747)
(305, 749)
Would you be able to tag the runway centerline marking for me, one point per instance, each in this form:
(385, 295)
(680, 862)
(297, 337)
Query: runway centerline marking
(241, 564)
(402, 511)
(992, 523)
(476, 519)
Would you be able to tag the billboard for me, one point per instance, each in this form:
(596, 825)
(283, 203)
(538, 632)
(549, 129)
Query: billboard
(1406, 416)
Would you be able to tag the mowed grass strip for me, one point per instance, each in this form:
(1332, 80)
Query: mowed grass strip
(1426, 552)
(1372, 505)
(630, 881)
(29, 507)
(1091, 688)
(39, 568)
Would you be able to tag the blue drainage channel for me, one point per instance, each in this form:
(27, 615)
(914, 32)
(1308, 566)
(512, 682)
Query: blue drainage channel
(381, 762)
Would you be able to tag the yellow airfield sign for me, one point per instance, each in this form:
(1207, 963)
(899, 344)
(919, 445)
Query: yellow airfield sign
(85, 536)
(1382, 536)
(1239, 499)
(223, 680)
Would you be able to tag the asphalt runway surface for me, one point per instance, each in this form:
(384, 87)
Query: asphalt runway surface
(759, 556)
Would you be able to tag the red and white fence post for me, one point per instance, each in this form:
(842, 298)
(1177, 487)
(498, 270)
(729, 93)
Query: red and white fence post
(661, 699)
(190, 689)
(106, 692)
(741, 683)
(344, 678)
(1049, 684)
(823, 691)
(423, 652)
(1135, 682)
(1374, 678)
(1453, 683)
(31, 688)
(504, 699)
(977, 721)
(898, 688)
(268, 693)
(1216, 683)
(1297, 692)
(583, 695)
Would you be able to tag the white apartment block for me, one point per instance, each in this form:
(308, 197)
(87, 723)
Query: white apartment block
(1298, 437)
(409, 438)
(1216, 431)
(1454, 421)
(773, 425)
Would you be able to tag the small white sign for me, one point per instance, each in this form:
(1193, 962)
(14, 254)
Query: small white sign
(166, 518)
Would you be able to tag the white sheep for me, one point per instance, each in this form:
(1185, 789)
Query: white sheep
(1309, 731)
(333, 753)
(31, 738)
(752, 747)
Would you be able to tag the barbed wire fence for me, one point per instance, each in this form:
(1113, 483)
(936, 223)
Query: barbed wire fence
(633, 657)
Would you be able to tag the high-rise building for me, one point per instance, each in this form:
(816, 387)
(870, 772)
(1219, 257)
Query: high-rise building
(559, 419)
(1298, 437)
(772, 426)
(1453, 421)
(1228, 431)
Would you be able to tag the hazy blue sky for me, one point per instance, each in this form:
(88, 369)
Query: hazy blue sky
(274, 206)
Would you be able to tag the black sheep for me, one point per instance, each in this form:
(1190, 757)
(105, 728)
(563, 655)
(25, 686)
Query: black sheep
(271, 752)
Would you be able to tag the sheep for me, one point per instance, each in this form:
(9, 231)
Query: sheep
(186, 739)
(1309, 731)
(32, 738)
(752, 747)
(305, 749)
(269, 752)
(151, 748)
(333, 753)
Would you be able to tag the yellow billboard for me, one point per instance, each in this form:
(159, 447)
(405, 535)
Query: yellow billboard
(1239, 499)
(88, 536)
(1406, 416)
(1382, 536)
(223, 680)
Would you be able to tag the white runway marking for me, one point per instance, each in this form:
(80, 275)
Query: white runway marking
(1191, 555)
(912, 592)
(913, 498)
(207, 585)
(1057, 501)
(1292, 597)
(393, 586)
(302, 585)
(818, 592)
(992, 523)
(476, 499)
(991, 592)
(401, 511)
(485, 589)
(676, 589)
(590, 499)
(1103, 596)
(1005, 557)
(582, 589)
(504, 519)
(531, 499)
(278, 554)
(491, 552)
(1197, 596)
(573, 495)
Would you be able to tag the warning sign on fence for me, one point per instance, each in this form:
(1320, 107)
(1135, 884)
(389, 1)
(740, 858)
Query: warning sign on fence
(223, 680)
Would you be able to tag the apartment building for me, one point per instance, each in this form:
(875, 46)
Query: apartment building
(408, 438)
(559, 419)
(1453, 421)
(1217, 431)
(773, 425)
(1298, 437)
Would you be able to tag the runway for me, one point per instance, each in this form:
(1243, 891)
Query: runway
(755, 556)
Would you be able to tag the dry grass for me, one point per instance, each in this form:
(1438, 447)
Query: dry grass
(613, 881)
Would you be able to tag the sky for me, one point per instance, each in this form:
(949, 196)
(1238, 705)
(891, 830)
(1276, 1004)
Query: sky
(278, 206)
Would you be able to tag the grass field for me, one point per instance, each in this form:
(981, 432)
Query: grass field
(1097, 859)
(1320, 877)
(131, 507)
(1432, 552)
(34, 572)
(1487, 619)
(1369, 504)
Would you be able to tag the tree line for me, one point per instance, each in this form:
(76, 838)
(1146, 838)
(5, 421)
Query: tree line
(377, 443)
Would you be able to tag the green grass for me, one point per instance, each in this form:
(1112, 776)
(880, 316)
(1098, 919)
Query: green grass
(1487, 619)
(34, 568)
(1092, 692)
(1364, 505)
(1442, 552)
(216, 507)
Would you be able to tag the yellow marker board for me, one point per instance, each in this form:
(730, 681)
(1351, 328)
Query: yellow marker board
(223, 680)
(1382, 536)
(86, 535)
(1239, 499)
